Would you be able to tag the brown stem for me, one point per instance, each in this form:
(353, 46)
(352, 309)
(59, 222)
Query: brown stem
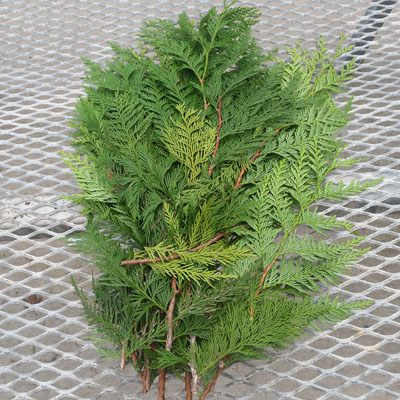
(173, 256)
(211, 241)
(243, 170)
(264, 274)
(146, 377)
(146, 370)
(210, 170)
(237, 184)
(195, 377)
(162, 373)
(257, 154)
(150, 260)
(221, 366)
(188, 379)
(123, 356)
(170, 316)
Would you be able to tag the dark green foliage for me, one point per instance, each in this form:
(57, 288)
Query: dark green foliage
(203, 166)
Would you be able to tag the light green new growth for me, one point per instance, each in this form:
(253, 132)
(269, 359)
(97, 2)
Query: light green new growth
(189, 141)
(200, 169)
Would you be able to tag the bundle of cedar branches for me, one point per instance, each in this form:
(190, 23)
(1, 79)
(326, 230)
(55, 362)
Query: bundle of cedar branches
(197, 169)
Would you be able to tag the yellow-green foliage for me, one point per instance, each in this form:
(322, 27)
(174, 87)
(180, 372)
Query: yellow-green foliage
(190, 141)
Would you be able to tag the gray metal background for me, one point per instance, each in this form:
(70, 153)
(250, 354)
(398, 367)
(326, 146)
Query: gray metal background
(44, 354)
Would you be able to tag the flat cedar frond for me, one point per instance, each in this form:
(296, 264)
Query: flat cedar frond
(203, 228)
(173, 227)
(319, 223)
(199, 168)
(311, 249)
(88, 180)
(190, 141)
(186, 270)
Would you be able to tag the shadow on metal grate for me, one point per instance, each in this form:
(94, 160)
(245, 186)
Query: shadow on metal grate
(44, 353)
(369, 26)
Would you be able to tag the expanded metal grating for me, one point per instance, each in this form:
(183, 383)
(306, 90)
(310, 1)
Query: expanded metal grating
(44, 352)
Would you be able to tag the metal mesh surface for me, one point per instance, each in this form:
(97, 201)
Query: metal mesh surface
(43, 351)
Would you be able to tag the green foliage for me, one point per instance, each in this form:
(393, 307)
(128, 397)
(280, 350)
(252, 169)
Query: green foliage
(200, 172)
(189, 141)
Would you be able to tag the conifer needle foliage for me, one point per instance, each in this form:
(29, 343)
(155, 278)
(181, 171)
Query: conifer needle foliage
(200, 162)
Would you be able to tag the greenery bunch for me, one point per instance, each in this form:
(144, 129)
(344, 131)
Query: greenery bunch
(199, 167)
